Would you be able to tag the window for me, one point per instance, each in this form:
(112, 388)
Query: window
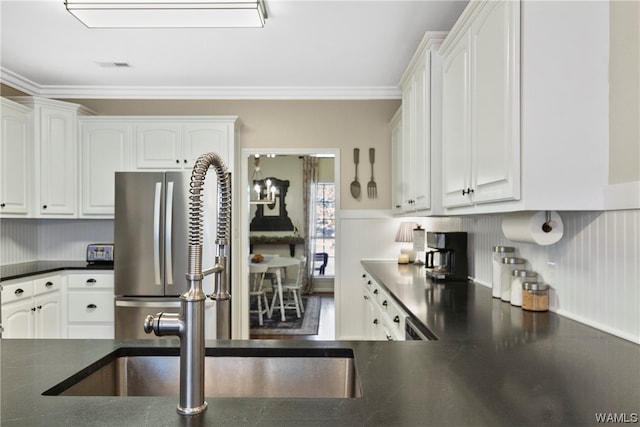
(325, 223)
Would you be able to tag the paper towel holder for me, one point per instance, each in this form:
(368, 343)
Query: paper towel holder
(548, 224)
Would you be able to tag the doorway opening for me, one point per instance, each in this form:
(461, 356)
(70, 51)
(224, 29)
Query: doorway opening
(311, 206)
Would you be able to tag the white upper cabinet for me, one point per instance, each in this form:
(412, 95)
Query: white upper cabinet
(54, 125)
(16, 159)
(177, 143)
(525, 107)
(420, 129)
(159, 146)
(456, 144)
(397, 182)
(481, 143)
(495, 103)
(58, 161)
(109, 144)
(207, 137)
(105, 148)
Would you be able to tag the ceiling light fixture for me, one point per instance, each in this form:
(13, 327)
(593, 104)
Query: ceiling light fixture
(170, 14)
(262, 191)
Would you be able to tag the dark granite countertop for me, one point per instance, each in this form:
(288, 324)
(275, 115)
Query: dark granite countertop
(499, 370)
(24, 269)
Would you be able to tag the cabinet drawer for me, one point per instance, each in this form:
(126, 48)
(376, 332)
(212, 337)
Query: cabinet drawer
(47, 284)
(90, 307)
(91, 281)
(17, 292)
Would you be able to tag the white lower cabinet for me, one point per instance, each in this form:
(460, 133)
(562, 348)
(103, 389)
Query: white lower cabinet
(384, 320)
(33, 308)
(90, 306)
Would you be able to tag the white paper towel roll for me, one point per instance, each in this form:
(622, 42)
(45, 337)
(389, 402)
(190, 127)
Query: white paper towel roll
(527, 227)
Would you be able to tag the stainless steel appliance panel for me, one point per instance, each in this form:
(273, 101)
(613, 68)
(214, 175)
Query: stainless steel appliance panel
(131, 312)
(176, 232)
(151, 229)
(139, 233)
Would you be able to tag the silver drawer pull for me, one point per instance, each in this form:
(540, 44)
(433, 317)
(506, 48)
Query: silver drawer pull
(91, 307)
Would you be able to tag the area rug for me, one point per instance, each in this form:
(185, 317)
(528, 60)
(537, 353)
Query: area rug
(307, 324)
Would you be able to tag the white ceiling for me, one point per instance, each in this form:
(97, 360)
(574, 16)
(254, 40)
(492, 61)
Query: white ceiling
(307, 49)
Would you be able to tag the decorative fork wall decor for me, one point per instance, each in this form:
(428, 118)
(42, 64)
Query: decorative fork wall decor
(372, 188)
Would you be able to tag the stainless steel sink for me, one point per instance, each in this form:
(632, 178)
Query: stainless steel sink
(230, 372)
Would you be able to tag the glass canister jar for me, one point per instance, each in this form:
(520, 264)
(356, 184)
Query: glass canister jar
(508, 265)
(520, 276)
(499, 252)
(535, 296)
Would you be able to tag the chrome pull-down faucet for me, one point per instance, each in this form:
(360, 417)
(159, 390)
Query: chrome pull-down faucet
(188, 325)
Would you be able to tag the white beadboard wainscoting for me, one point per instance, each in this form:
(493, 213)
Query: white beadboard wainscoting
(18, 241)
(594, 270)
(24, 240)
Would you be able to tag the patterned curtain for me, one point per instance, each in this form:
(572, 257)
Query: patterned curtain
(309, 178)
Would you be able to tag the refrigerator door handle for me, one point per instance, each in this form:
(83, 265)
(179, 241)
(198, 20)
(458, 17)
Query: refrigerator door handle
(156, 232)
(168, 251)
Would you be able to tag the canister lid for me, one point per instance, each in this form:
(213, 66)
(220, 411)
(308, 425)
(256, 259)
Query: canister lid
(511, 260)
(524, 273)
(504, 249)
(534, 286)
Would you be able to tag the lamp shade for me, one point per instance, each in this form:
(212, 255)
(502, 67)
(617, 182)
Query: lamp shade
(169, 14)
(405, 232)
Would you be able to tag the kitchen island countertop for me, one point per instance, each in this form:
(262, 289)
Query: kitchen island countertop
(501, 369)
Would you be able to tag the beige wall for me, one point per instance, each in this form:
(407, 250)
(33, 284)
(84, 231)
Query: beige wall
(624, 96)
(295, 124)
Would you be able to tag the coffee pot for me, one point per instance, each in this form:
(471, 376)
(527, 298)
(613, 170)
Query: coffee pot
(446, 258)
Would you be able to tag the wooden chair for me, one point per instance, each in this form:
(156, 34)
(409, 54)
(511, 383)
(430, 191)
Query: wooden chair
(258, 272)
(321, 260)
(294, 299)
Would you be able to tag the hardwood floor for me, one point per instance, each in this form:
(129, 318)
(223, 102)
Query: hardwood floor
(326, 328)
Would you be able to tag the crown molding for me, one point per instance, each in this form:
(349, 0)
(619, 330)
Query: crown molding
(200, 92)
(18, 82)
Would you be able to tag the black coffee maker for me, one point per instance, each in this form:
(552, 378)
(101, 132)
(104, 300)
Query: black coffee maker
(447, 256)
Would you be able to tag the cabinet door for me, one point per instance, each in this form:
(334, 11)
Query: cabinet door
(58, 161)
(48, 319)
(408, 140)
(204, 138)
(16, 152)
(420, 157)
(397, 189)
(159, 146)
(370, 320)
(456, 156)
(18, 319)
(495, 103)
(105, 150)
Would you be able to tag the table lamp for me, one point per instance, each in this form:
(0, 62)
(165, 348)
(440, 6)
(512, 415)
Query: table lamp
(405, 234)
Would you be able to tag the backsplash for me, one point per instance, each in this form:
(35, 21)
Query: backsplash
(18, 241)
(25, 240)
(593, 270)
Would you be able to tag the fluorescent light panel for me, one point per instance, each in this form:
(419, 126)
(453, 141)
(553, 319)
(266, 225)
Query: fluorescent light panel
(175, 14)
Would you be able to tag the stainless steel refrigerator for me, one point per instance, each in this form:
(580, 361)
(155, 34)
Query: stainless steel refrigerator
(151, 211)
